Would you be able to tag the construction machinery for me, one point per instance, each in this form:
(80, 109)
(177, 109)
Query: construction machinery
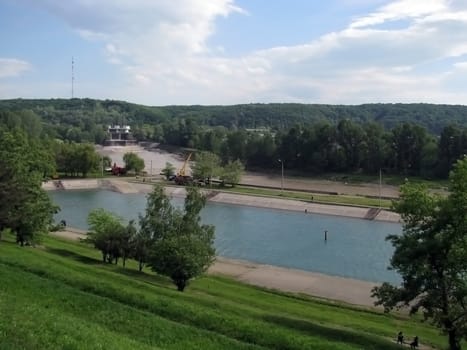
(182, 177)
(117, 170)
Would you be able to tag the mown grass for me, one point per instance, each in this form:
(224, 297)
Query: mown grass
(304, 196)
(60, 296)
(317, 197)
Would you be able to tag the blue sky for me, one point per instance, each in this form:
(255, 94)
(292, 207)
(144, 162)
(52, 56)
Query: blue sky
(160, 52)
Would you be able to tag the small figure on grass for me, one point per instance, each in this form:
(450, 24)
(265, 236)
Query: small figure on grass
(400, 338)
(414, 343)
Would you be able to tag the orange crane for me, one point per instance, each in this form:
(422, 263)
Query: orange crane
(182, 171)
(182, 178)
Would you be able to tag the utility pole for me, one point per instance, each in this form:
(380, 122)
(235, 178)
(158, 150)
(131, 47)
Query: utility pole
(282, 175)
(72, 77)
(380, 180)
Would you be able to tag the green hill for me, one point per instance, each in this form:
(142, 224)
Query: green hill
(84, 113)
(60, 296)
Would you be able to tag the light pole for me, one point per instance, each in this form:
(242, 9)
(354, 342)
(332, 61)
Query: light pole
(282, 175)
(380, 181)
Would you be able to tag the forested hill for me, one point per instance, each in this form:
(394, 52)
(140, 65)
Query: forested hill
(275, 116)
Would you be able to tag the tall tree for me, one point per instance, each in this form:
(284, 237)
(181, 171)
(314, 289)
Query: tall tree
(183, 247)
(431, 256)
(168, 171)
(25, 208)
(207, 165)
(133, 162)
(232, 173)
(106, 232)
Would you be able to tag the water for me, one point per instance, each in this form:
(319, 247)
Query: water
(354, 248)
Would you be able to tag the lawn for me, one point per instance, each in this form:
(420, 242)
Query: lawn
(60, 296)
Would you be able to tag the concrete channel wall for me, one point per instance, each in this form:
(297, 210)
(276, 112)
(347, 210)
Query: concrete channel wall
(125, 187)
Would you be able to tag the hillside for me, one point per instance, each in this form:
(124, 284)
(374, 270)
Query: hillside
(276, 116)
(60, 296)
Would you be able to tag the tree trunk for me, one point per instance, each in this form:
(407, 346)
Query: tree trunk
(124, 259)
(453, 340)
(181, 284)
(104, 257)
(140, 265)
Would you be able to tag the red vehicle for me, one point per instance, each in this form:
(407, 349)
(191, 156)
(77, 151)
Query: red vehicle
(117, 170)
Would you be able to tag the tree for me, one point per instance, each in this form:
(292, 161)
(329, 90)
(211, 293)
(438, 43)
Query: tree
(141, 245)
(207, 165)
(168, 171)
(126, 241)
(133, 162)
(75, 158)
(106, 231)
(232, 173)
(183, 247)
(25, 208)
(431, 256)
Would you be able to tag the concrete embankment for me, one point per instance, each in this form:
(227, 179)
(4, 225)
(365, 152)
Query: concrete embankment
(123, 186)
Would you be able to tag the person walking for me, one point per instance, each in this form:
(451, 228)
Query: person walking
(414, 343)
(400, 338)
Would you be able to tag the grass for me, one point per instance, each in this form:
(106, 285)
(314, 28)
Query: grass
(60, 296)
(304, 196)
(317, 198)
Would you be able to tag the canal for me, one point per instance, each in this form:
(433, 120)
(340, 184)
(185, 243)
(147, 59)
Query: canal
(354, 248)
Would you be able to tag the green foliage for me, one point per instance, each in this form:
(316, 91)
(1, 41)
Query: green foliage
(25, 208)
(168, 171)
(207, 166)
(401, 139)
(107, 162)
(182, 248)
(76, 158)
(232, 173)
(107, 233)
(133, 162)
(431, 256)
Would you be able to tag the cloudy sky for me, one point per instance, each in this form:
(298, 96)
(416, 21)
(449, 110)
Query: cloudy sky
(160, 52)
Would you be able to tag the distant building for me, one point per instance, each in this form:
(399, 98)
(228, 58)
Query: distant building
(119, 136)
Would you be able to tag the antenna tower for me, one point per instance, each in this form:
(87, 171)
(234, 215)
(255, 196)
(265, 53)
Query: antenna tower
(72, 77)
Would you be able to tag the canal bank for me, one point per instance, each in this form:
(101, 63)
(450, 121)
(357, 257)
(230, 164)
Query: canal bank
(126, 187)
(341, 289)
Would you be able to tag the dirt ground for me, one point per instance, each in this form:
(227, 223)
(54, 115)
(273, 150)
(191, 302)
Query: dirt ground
(320, 185)
(153, 157)
(157, 158)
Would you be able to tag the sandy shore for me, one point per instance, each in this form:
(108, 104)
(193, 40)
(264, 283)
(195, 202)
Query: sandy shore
(283, 279)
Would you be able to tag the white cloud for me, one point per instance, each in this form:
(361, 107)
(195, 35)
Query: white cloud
(12, 67)
(162, 46)
(401, 9)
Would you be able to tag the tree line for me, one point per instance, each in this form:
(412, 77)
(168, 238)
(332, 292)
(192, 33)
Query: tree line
(77, 118)
(399, 139)
(325, 147)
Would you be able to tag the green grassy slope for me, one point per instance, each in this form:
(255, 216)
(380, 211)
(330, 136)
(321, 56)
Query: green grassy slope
(60, 296)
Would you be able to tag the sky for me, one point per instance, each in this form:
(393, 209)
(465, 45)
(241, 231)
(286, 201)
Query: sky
(221, 52)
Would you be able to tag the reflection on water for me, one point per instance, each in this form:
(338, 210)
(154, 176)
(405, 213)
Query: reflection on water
(354, 248)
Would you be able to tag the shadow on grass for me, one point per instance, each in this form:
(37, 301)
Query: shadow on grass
(143, 276)
(334, 334)
(78, 257)
(126, 271)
